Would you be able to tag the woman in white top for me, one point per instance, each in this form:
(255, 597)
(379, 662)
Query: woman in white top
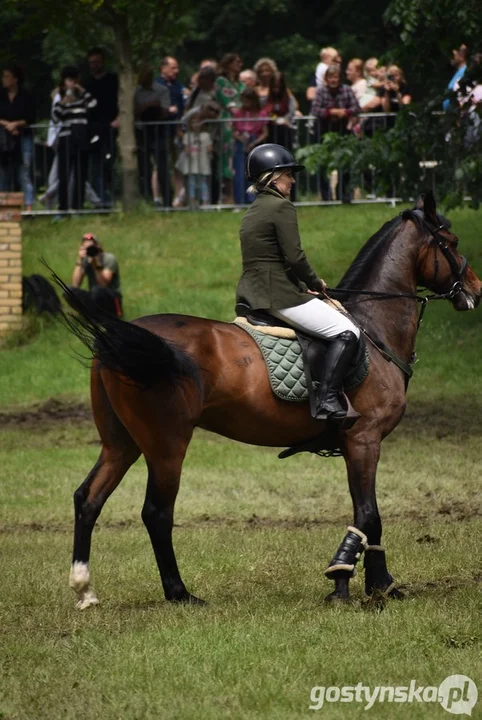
(354, 73)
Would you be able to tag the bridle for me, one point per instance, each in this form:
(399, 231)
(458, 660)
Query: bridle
(458, 273)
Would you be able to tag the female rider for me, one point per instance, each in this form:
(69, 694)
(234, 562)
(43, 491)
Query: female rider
(277, 276)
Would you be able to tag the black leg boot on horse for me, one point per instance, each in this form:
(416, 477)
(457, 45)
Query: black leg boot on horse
(330, 375)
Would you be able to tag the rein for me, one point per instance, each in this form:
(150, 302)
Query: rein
(456, 288)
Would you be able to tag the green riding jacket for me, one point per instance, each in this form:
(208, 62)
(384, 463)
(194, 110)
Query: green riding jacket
(276, 272)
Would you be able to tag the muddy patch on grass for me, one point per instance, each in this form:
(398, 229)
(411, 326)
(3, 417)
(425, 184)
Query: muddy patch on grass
(42, 415)
(450, 420)
(445, 585)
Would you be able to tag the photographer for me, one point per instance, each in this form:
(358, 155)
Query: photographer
(394, 93)
(102, 272)
(71, 113)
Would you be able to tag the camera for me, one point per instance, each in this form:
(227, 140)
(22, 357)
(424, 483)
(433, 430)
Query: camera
(391, 78)
(71, 92)
(92, 251)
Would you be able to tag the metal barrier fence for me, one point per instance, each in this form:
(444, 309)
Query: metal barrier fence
(193, 166)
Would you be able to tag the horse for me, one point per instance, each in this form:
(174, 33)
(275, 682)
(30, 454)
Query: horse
(157, 378)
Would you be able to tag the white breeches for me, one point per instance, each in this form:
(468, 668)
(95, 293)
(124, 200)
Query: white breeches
(316, 318)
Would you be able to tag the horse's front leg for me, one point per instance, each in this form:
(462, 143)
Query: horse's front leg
(361, 457)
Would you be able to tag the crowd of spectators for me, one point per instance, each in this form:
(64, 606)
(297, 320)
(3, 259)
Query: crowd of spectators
(192, 140)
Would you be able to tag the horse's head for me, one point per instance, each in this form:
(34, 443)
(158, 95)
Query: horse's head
(442, 269)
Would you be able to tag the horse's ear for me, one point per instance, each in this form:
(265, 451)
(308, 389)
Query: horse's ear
(426, 203)
(420, 201)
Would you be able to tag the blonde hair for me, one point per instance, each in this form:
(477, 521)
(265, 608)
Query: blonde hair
(265, 61)
(327, 53)
(370, 65)
(260, 184)
(398, 69)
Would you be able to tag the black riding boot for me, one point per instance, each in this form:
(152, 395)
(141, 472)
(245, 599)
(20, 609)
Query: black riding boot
(330, 377)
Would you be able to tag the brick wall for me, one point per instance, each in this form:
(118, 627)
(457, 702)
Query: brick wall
(10, 262)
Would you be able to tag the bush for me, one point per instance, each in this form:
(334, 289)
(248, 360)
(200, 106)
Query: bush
(424, 148)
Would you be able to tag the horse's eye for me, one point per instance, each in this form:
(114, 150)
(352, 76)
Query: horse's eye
(456, 244)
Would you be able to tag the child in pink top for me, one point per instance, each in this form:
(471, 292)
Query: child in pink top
(248, 129)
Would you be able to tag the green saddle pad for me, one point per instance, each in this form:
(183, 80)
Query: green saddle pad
(286, 372)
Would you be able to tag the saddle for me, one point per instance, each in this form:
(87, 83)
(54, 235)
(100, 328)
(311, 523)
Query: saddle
(313, 351)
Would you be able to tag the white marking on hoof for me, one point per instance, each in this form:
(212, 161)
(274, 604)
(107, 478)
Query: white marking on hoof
(86, 599)
(79, 581)
(79, 576)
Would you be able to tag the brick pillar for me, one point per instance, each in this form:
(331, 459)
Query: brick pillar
(10, 262)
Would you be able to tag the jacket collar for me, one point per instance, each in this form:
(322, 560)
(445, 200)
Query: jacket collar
(271, 190)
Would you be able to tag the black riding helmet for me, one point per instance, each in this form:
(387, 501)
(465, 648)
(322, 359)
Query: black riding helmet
(269, 157)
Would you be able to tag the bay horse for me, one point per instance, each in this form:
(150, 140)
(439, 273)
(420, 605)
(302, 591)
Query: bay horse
(155, 379)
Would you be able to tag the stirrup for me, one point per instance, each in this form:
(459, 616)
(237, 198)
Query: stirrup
(343, 418)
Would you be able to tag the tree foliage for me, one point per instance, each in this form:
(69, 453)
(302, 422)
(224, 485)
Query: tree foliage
(423, 149)
(425, 32)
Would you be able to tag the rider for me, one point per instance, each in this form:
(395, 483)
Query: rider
(277, 276)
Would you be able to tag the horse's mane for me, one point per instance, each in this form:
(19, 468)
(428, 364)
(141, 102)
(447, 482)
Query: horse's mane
(358, 272)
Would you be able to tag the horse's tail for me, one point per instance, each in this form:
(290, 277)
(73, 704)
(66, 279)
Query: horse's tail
(126, 348)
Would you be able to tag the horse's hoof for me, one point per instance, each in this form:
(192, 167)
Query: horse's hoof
(335, 598)
(188, 599)
(193, 600)
(88, 600)
(375, 602)
(389, 592)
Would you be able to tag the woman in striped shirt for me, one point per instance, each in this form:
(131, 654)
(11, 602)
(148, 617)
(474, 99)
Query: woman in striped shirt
(71, 112)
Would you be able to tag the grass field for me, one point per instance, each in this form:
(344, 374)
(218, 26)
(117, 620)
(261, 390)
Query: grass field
(253, 534)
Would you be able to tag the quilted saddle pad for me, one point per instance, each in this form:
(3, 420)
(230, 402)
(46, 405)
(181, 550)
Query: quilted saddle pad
(284, 361)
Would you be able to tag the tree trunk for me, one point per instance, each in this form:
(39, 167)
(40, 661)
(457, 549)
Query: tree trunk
(127, 140)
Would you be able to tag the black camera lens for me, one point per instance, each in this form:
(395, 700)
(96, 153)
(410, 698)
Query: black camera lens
(92, 251)
(391, 78)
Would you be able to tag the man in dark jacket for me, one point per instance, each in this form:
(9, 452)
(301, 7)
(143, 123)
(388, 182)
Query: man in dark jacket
(17, 112)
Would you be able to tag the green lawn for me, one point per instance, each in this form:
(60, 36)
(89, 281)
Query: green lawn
(253, 533)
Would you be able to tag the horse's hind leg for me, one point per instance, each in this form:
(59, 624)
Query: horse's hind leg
(365, 535)
(158, 517)
(161, 423)
(119, 452)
